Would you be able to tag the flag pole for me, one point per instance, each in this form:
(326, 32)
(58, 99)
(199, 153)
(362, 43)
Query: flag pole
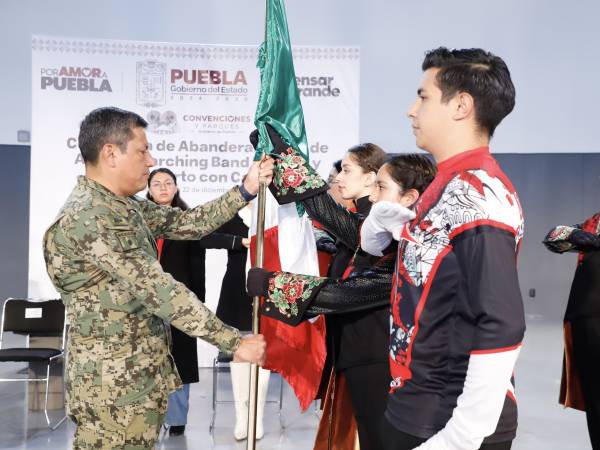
(260, 248)
(260, 237)
(258, 257)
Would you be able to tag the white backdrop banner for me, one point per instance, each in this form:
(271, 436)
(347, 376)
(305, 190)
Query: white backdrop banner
(199, 101)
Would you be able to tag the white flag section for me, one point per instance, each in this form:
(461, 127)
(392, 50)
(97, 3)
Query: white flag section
(199, 101)
(295, 236)
(297, 247)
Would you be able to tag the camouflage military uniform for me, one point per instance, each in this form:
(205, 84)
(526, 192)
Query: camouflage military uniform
(101, 256)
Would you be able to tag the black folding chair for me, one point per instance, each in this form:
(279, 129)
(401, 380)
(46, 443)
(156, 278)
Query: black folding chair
(34, 318)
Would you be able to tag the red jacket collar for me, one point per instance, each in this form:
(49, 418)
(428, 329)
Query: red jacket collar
(465, 160)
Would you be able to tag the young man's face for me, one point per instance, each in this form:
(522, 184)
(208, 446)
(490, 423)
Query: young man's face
(430, 117)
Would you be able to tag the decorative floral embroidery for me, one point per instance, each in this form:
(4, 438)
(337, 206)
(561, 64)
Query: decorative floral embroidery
(560, 233)
(292, 178)
(292, 173)
(287, 289)
(557, 239)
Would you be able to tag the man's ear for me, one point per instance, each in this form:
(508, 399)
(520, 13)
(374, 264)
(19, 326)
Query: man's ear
(107, 154)
(412, 195)
(464, 106)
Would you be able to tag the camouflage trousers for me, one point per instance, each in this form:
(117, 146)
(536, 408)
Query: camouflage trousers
(129, 427)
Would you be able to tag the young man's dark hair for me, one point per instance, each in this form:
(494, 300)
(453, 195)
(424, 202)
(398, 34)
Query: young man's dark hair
(481, 74)
(106, 125)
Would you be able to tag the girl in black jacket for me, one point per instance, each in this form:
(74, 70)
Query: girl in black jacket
(185, 261)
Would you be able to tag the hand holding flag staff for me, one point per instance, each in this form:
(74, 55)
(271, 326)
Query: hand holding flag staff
(278, 107)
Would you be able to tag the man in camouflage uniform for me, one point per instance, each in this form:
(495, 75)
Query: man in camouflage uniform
(101, 256)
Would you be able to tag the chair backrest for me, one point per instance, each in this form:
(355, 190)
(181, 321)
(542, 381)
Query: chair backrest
(36, 317)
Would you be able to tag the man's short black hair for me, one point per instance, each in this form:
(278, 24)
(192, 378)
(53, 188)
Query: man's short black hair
(108, 125)
(481, 74)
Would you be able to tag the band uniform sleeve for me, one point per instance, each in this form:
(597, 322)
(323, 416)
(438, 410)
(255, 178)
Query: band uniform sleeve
(557, 240)
(367, 289)
(295, 180)
(293, 298)
(115, 252)
(337, 220)
(487, 259)
(583, 237)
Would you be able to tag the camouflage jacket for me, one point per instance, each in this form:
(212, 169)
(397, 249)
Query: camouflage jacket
(101, 256)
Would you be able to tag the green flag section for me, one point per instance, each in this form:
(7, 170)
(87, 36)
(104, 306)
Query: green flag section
(298, 353)
(279, 100)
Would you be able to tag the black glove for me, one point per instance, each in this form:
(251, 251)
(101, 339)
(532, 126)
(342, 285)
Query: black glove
(326, 244)
(254, 141)
(254, 138)
(279, 145)
(584, 240)
(257, 282)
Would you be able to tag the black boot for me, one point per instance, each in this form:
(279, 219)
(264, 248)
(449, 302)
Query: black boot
(176, 430)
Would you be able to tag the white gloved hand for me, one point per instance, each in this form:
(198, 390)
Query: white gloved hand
(384, 222)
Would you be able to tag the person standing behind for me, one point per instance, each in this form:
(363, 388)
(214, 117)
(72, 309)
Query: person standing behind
(457, 319)
(185, 261)
(579, 386)
(101, 256)
(234, 307)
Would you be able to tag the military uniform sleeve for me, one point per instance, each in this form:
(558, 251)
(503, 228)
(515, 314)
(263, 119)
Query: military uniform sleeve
(194, 223)
(116, 251)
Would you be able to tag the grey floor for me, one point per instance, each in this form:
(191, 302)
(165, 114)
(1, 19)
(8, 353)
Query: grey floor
(543, 424)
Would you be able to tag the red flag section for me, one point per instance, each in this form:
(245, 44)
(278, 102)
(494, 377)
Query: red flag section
(297, 353)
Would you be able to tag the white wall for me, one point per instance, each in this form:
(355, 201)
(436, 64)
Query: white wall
(551, 47)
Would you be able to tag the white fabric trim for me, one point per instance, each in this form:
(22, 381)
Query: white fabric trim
(479, 406)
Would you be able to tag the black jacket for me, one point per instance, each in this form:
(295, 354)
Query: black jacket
(184, 260)
(355, 337)
(235, 307)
